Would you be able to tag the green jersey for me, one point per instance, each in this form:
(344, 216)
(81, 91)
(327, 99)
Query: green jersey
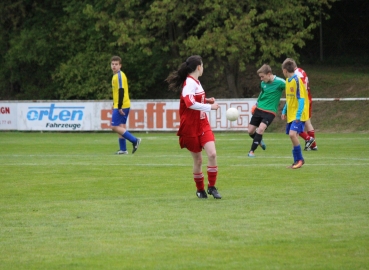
(270, 94)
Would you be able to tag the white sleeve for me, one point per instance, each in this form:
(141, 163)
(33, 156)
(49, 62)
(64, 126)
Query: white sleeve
(201, 107)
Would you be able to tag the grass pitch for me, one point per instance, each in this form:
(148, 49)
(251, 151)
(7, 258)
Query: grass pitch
(67, 202)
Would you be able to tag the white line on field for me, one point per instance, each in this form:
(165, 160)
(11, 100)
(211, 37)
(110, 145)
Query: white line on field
(143, 157)
(181, 165)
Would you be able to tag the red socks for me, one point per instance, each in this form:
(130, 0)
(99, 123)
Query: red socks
(212, 175)
(304, 135)
(212, 178)
(199, 180)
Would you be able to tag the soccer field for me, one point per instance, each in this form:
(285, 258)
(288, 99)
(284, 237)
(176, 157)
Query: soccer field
(67, 202)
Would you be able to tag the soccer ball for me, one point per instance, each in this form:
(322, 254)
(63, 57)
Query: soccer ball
(232, 114)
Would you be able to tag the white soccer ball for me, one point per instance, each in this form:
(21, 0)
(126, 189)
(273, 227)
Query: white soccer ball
(232, 114)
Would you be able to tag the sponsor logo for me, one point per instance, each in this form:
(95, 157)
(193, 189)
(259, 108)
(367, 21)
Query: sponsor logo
(56, 114)
(53, 113)
(5, 110)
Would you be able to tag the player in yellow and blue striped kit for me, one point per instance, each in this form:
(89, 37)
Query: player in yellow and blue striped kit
(121, 107)
(296, 110)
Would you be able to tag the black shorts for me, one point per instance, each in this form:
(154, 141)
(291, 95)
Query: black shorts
(261, 116)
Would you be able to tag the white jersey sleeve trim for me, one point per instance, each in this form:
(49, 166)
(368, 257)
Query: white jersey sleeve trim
(201, 107)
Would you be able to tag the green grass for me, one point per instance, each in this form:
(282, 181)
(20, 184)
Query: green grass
(338, 82)
(328, 81)
(333, 116)
(66, 202)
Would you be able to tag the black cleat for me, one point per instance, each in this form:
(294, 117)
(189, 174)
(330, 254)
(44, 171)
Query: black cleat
(213, 191)
(136, 145)
(201, 194)
(308, 143)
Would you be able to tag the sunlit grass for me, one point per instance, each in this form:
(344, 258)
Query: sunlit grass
(67, 202)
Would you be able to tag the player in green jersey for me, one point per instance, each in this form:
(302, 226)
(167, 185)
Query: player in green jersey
(266, 106)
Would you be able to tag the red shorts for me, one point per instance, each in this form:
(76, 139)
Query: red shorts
(310, 108)
(196, 144)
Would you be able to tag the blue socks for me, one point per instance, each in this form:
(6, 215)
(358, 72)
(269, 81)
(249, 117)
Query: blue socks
(129, 137)
(122, 144)
(297, 154)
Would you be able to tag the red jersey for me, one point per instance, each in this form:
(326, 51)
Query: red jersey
(192, 108)
(302, 74)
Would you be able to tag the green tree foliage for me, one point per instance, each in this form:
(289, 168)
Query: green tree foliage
(84, 73)
(144, 59)
(240, 32)
(28, 37)
(228, 33)
(62, 49)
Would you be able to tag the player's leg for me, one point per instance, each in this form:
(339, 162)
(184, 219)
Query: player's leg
(295, 130)
(264, 119)
(121, 139)
(212, 166)
(310, 129)
(311, 132)
(117, 119)
(309, 140)
(194, 146)
(254, 123)
(310, 143)
(251, 130)
(198, 176)
(118, 127)
(258, 138)
(265, 123)
(122, 144)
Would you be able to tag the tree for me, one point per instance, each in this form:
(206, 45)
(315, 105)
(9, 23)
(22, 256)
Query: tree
(30, 49)
(61, 49)
(228, 33)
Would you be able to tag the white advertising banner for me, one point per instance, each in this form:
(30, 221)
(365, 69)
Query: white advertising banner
(55, 116)
(164, 115)
(8, 116)
(145, 115)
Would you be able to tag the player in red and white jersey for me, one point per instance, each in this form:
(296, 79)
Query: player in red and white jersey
(192, 108)
(195, 131)
(308, 134)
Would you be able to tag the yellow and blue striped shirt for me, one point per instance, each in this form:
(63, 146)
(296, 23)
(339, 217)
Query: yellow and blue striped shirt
(120, 98)
(295, 89)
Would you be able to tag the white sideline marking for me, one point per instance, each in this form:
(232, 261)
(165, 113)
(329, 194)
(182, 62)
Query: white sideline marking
(185, 165)
(219, 157)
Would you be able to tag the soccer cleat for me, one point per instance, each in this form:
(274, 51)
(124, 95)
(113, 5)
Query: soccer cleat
(121, 152)
(314, 148)
(263, 145)
(251, 154)
(201, 194)
(136, 145)
(293, 166)
(308, 143)
(213, 191)
(298, 164)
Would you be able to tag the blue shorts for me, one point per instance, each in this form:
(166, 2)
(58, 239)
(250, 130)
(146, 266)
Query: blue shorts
(295, 126)
(118, 119)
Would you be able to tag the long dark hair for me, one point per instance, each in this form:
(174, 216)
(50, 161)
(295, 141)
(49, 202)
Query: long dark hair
(176, 78)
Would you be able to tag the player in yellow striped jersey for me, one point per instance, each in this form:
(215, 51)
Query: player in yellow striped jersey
(121, 107)
(296, 110)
